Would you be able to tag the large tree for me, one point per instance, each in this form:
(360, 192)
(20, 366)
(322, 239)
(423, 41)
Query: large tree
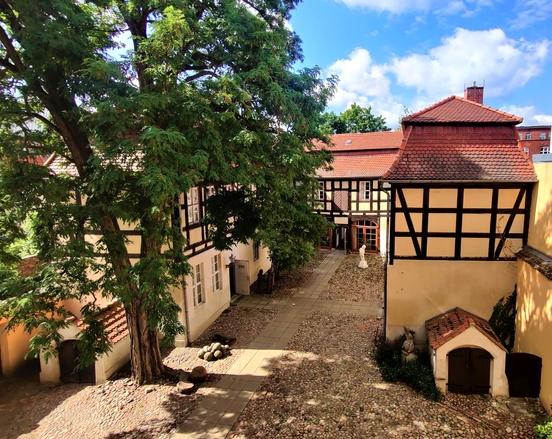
(355, 119)
(141, 100)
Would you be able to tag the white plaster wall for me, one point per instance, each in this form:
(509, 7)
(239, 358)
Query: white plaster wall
(112, 361)
(202, 315)
(472, 338)
(245, 252)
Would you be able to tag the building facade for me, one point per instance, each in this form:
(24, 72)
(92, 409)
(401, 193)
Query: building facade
(460, 201)
(351, 195)
(534, 140)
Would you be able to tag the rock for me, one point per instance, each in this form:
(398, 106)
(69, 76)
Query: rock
(217, 354)
(208, 356)
(201, 354)
(216, 347)
(185, 388)
(198, 375)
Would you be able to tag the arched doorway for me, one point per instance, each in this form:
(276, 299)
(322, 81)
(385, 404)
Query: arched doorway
(366, 232)
(469, 371)
(68, 360)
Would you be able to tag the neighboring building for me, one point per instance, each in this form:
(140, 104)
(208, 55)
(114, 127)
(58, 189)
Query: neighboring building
(460, 203)
(534, 280)
(534, 139)
(351, 194)
(204, 294)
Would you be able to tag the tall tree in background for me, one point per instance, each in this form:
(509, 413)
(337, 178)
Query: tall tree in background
(141, 100)
(355, 119)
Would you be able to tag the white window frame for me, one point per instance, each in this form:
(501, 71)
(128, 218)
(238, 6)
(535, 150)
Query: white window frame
(526, 149)
(321, 190)
(365, 190)
(216, 272)
(542, 136)
(527, 136)
(544, 149)
(198, 284)
(193, 204)
(256, 250)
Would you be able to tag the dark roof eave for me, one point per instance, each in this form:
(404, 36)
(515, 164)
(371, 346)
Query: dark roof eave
(392, 180)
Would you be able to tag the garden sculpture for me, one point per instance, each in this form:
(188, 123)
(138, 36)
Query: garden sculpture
(362, 263)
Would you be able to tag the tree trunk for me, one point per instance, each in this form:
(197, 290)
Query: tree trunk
(145, 355)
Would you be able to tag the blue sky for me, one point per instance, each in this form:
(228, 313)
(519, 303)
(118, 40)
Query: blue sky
(395, 53)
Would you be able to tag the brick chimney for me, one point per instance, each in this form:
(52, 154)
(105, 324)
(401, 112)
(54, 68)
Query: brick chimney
(474, 93)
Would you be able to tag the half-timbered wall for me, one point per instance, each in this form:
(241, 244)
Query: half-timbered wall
(486, 222)
(343, 204)
(452, 245)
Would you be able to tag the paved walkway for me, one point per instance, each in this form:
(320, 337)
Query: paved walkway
(220, 408)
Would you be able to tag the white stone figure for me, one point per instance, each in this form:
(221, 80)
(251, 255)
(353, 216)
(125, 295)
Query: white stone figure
(408, 351)
(362, 263)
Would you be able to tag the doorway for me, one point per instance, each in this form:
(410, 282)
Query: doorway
(469, 371)
(340, 241)
(366, 232)
(68, 360)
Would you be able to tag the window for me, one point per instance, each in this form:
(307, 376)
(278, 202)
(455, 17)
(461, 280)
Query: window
(526, 149)
(542, 136)
(256, 250)
(320, 190)
(216, 275)
(527, 136)
(365, 190)
(210, 191)
(194, 212)
(197, 284)
(520, 135)
(545, 149)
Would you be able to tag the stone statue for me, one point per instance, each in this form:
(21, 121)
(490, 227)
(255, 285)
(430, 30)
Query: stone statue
(408, 351)
(362, 263)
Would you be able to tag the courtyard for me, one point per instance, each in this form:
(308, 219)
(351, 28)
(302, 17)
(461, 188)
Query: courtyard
(301, 366)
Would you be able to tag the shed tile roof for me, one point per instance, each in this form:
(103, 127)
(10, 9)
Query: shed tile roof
(362, 141)
(455, 109)
(359, 164)
(113, 318)
(446, 326)
(456, 161)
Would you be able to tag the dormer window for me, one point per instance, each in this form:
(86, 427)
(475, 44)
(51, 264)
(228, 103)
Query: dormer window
(364, 190)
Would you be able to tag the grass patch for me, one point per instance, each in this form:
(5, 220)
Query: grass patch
(417, 374)
(544, 430)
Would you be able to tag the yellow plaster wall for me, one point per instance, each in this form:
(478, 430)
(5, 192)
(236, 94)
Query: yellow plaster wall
(540, 227)
(14, 345)
(420, 289)
(534, 323)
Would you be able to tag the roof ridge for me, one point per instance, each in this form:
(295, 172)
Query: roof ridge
(413, 116)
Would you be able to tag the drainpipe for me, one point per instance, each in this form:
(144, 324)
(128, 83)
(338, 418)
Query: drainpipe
(388, 232)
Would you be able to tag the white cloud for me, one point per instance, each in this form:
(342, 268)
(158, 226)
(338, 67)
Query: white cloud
(530, 114)
(489, 55)
(365, 83)
(531, 12)
(504, 64)
(439, 7)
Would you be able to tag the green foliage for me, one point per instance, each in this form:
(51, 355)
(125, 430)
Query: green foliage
(416, 373)
(355, 119)
(141, 101)
(503, 320)
(544, 430)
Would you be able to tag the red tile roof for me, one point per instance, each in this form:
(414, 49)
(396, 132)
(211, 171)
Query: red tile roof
(362, 141)
(455, 109)
(113, 318)
(445, 327)
(359, 164)
(483, 147)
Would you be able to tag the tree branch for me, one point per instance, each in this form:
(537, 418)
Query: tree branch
(200, 75)
(10, 50)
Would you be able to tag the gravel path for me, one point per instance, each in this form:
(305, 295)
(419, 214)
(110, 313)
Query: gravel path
(350, 283)
(118, 408)
(328, 386)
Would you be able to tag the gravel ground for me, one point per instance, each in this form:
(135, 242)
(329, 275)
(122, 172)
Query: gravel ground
(328, 386)
(354, 284)
(118, 408)
(289, 283)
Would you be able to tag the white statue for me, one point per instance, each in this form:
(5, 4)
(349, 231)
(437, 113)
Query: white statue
(408, 351)
(362, 263)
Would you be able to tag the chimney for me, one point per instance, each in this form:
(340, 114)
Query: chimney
(474, 93)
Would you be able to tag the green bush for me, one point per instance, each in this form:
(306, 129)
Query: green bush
(544, 430)
(416, 373)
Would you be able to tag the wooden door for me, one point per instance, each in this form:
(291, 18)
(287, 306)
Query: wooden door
(68, 361)
(242, 277)
(469, 371)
